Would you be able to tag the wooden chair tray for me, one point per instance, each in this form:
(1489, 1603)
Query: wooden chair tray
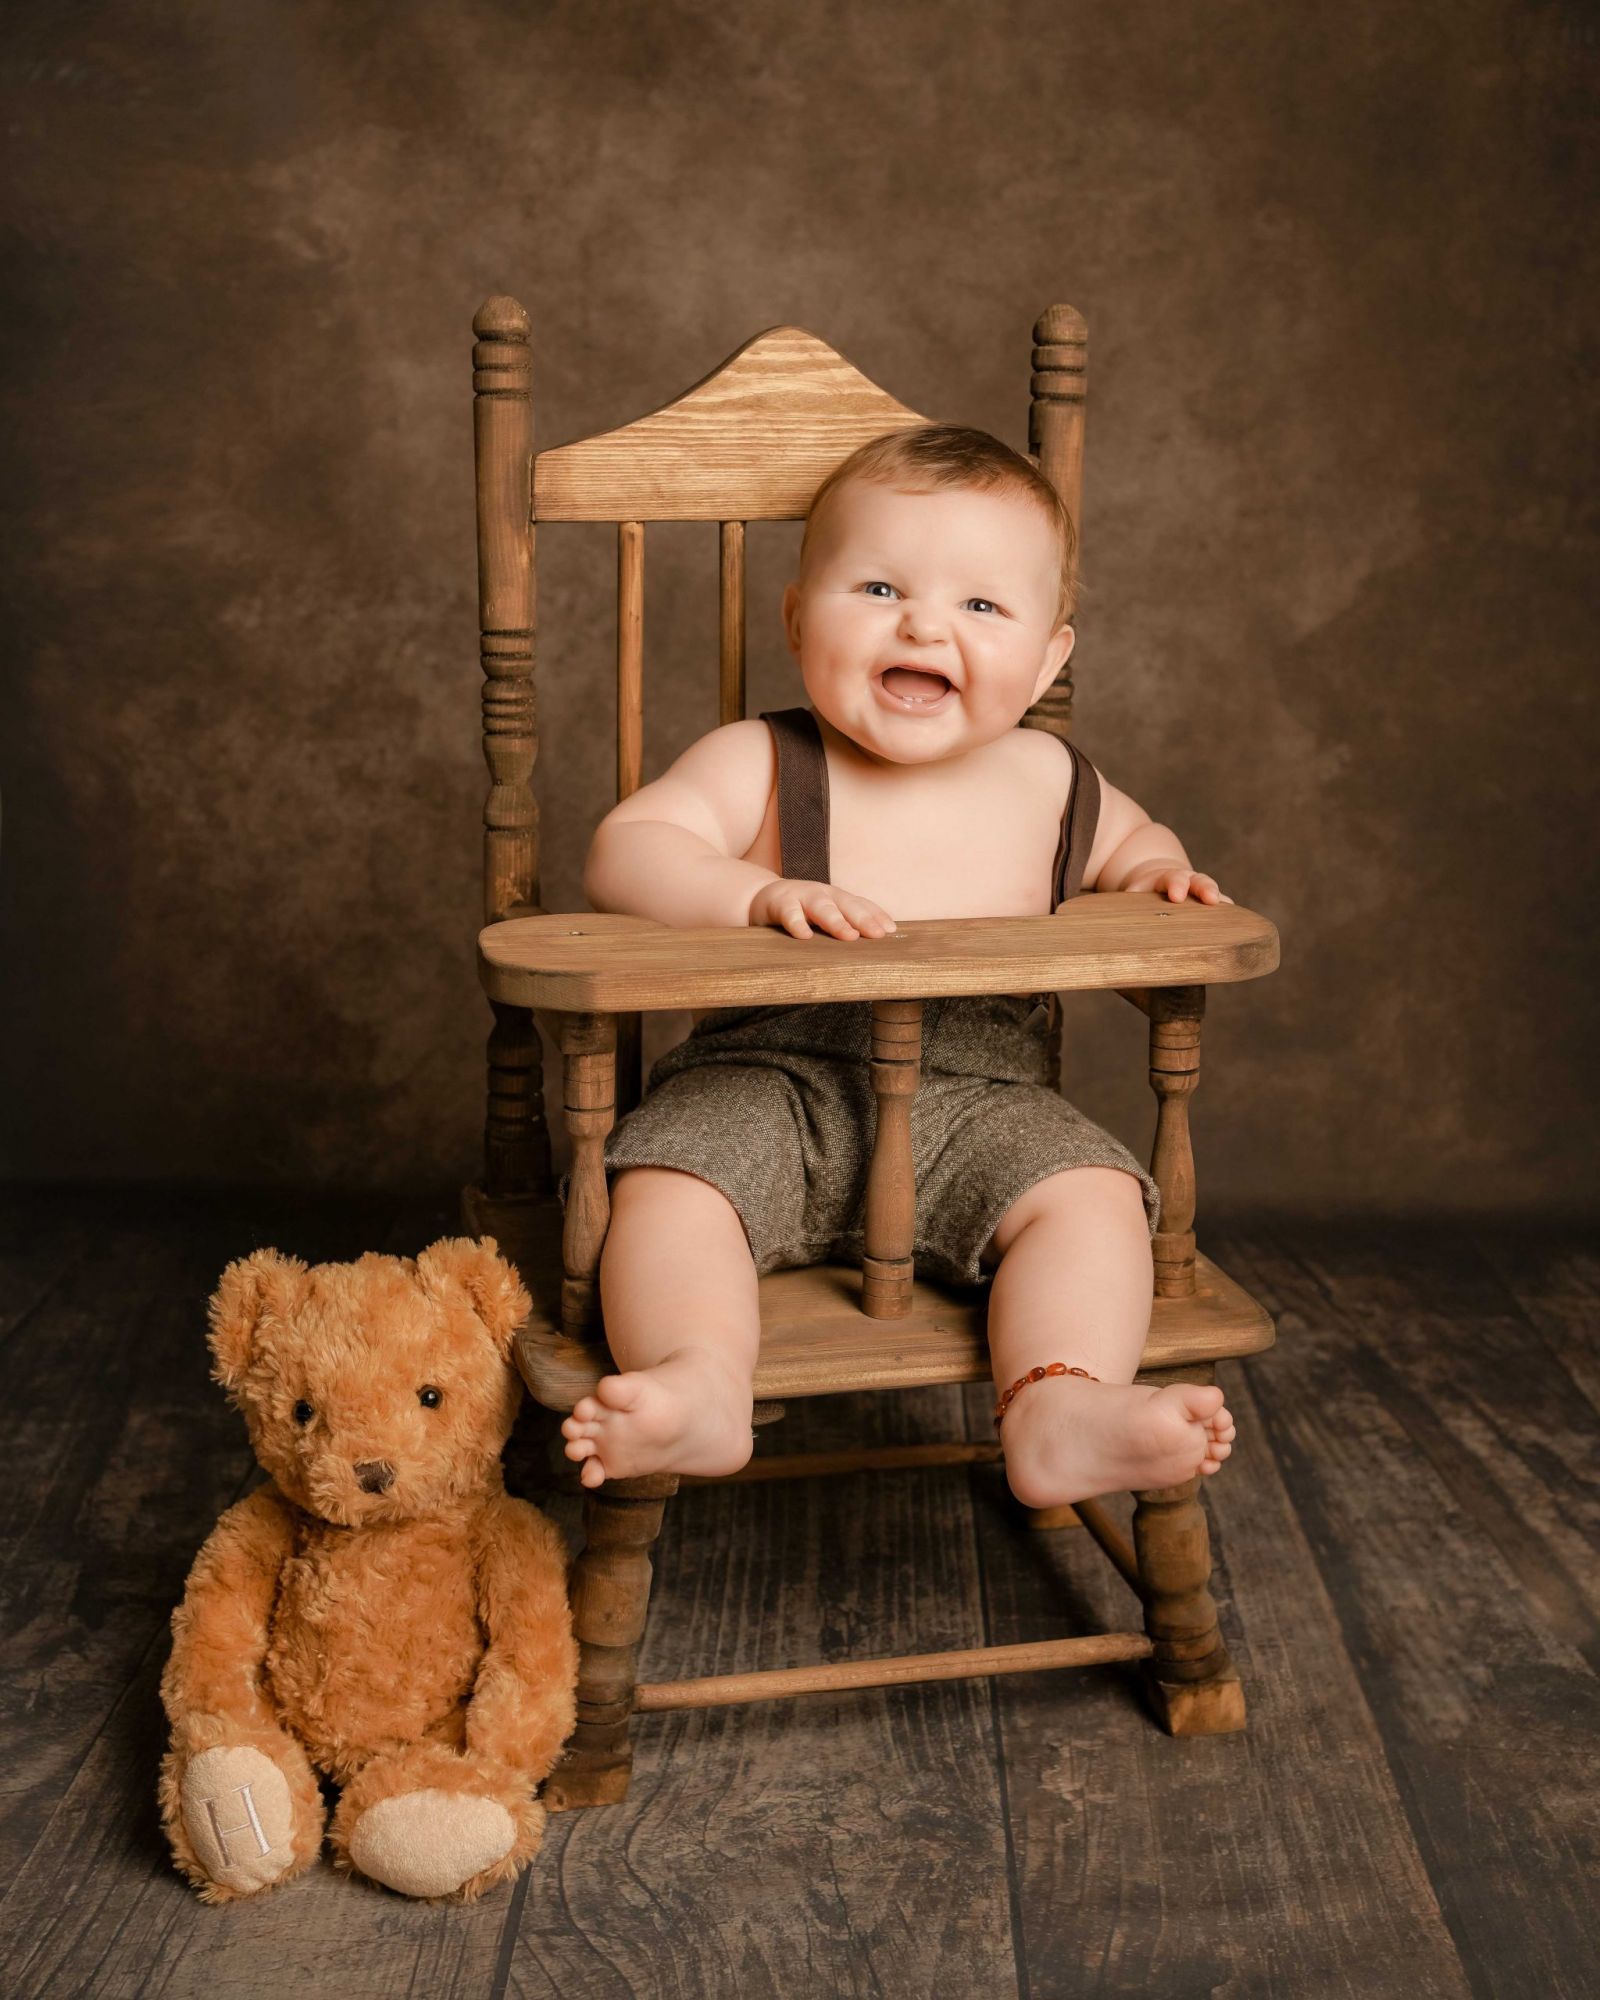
(614, 964)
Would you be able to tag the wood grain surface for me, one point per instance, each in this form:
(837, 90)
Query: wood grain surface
(609, 963)
(1405, 1575)
(1444, 1466)
(752, 441)
(815, 1340)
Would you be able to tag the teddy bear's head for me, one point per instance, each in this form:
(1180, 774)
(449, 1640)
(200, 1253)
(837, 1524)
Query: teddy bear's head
(378, 1390)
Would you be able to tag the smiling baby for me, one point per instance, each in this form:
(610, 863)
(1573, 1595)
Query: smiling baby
(929, 613)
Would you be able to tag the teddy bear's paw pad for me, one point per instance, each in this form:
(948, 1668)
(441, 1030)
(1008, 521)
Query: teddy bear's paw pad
(239, 1815)
(428, 1843)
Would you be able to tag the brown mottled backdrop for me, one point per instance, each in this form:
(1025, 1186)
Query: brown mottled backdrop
(1338, 267)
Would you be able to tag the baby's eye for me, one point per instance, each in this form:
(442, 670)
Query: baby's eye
(879, 588)
(982, 604)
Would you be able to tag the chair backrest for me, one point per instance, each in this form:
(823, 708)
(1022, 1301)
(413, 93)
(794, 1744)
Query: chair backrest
(751, 442)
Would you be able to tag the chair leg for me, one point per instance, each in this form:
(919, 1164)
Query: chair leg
(1190, 1681)
(518, 1178)
(610, 1590)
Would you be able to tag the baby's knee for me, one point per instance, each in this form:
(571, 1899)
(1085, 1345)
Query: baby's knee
(671, 1203)
(1104, 1198)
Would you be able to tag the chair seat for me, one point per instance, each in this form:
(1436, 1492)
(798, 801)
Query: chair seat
(816, 1341)
(613, 964)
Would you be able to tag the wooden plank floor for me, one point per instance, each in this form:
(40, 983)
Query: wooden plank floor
(1406, 1541)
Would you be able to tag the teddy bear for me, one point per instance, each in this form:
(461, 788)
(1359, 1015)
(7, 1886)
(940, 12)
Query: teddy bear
(382, 1612)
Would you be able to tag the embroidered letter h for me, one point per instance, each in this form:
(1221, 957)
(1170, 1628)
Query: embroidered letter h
(251, 1823)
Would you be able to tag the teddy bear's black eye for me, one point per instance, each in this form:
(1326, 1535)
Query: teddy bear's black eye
(303, 1412)
(430, 1398)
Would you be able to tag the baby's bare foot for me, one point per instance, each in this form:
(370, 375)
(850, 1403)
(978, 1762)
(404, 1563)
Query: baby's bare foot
(689, 1413)
(1069, 1439)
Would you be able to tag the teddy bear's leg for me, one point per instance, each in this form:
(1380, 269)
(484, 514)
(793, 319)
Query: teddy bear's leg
(236, 1820)
(428, 1821)
(239, 1799)
(440, 1843)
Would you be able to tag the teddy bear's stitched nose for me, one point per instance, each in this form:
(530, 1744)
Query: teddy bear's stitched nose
(375, 1475)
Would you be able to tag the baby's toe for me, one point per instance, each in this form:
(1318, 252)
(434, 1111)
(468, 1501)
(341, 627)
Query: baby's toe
(593, 1473)
(580, 1447)
(1200, 1401)
(584, 1411)
(619, 1392)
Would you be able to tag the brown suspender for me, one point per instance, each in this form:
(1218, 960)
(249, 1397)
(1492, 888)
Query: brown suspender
(802, 794)
(1077, 828)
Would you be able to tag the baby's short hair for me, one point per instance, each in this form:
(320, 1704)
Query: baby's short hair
(930, 456)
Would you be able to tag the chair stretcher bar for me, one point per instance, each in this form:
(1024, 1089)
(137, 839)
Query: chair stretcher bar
(722, 1690)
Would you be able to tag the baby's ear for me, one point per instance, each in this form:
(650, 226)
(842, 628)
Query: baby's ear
(458, 1267)
(1057, 652)
(249, 1286)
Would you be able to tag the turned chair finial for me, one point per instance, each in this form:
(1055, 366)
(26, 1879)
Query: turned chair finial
(1060, 326)
(502, 318)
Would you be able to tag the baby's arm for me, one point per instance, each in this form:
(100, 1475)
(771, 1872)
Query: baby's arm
(1133, 851)
(670, 850)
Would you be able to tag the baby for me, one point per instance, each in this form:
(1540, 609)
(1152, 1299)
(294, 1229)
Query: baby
(929, 613)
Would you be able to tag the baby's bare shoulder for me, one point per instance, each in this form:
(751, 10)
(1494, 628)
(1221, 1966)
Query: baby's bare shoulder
(1042, 762)
(718, 788)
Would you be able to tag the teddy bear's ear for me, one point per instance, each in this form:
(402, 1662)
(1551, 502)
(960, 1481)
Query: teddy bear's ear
(249, 1285)
(457, 1266)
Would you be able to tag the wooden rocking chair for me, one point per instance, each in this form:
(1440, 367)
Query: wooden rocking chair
(752, 442)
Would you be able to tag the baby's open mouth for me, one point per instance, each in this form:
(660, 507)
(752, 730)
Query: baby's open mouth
(912, 684)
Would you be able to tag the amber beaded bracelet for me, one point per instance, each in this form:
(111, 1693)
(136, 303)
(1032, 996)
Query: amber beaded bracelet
(1037, 1375)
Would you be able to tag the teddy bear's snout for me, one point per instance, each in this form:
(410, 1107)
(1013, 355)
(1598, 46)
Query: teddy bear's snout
(375, 1475)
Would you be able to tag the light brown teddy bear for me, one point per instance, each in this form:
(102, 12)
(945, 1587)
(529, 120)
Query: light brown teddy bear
(382, 1612)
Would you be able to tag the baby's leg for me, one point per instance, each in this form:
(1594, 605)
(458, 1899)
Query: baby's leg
(678, 1291)
(1074, 1284)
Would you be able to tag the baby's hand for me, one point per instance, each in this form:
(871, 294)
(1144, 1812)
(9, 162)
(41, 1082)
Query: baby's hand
(1176, 884)
(839, 912)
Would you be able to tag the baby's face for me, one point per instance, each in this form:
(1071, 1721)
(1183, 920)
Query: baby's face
(925, 623)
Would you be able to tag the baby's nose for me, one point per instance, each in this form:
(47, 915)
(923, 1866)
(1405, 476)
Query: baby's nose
(921, 621)
(375, 1475)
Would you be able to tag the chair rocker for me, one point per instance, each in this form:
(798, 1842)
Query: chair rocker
(751, 442)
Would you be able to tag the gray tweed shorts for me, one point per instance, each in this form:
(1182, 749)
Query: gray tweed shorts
(774, 1107)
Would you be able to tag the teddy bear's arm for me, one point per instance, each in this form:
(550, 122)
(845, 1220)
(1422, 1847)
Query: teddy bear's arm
(524, 1703)
(220, 1630)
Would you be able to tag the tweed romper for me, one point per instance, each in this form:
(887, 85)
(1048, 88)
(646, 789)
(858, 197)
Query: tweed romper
(774, 1105)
